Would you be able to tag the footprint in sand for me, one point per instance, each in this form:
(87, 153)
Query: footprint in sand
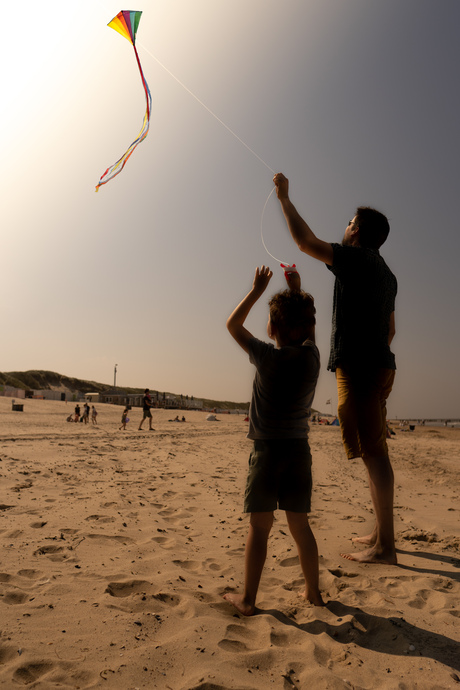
(280, 639)
(68, 530)
(14, 598)
(238, 631)
(338, 572)
(235, 646)
(7, 653)
(166, 542)
(63, 674)
(171, 599)
(32, 672)
(211, 564)
(30, 573)
(125, 589)
(235, 638)
(53, 552)
(289, 562)
(109, 538)
(14, 534)
(188, 565)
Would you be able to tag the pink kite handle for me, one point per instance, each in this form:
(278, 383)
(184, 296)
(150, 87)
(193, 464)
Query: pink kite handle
(288, 269)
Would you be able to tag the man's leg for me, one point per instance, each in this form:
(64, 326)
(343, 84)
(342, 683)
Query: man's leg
(381, 484)
(255, 555)
(371, 412)
(308, 555)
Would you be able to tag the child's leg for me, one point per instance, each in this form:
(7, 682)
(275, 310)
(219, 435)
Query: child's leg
(308, 554)
(255, 555)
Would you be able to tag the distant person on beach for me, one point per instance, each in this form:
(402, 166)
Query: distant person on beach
(93, 415)
(363, 326)
(86, 413)
(146, 405)
(77, 412)
(280, 463)
(124, 418)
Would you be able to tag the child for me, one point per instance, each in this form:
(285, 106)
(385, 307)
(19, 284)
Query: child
(280, 463)
(124, 418)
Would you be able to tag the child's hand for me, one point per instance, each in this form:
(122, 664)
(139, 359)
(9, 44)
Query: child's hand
(292, 277)
(261, 279)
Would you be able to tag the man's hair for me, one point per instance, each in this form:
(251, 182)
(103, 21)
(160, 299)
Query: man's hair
(293, 315)
(373, 227)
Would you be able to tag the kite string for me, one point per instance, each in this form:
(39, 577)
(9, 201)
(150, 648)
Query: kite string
(261, 229)
(206, 108)
(231, 132)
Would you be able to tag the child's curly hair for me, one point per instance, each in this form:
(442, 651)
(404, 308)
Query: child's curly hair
(293, 315)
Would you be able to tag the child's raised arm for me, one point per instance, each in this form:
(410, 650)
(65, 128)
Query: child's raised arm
(237, 318)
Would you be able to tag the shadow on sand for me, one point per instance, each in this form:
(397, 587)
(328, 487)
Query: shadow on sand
(384, 635)
(437, 558)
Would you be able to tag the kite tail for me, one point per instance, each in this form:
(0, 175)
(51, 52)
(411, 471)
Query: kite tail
(117, 167)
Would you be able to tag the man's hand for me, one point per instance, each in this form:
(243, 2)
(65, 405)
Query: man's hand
(302, 234)
(282, 186)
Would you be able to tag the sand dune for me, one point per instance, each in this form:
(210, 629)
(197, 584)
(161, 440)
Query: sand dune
(117, 546)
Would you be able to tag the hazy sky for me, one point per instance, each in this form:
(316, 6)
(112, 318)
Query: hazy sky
(356, 101)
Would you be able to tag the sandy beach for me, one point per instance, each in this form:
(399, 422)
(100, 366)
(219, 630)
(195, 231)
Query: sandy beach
(117, 546)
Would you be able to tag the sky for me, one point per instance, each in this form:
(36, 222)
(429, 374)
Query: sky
(355, 101)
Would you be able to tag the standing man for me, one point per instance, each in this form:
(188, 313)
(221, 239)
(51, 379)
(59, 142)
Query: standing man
(146, 405)
(363, 326)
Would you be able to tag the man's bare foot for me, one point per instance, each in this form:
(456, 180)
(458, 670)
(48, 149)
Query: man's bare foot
(372, 555)
(315, 599)
(239, 602)
(369, 539)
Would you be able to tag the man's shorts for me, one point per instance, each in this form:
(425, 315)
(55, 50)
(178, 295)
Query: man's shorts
(362, 411)
(147, 414)
(279, 476)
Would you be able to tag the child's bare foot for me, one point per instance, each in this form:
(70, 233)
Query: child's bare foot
(373, 555)
(239, 602)
(315, 599)
(369, 539)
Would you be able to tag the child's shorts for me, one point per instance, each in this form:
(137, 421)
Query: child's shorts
(279, 476)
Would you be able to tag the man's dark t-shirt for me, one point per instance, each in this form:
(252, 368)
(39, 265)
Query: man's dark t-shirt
(364, 298)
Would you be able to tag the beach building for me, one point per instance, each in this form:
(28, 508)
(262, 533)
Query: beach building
(93, 397)
(113, 396)
(47, 394)
(10, 392)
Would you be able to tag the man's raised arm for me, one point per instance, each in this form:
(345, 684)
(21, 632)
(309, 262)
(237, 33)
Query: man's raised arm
(301, 233)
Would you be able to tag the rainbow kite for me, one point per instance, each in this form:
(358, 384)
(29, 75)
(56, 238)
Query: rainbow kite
(126, 23)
